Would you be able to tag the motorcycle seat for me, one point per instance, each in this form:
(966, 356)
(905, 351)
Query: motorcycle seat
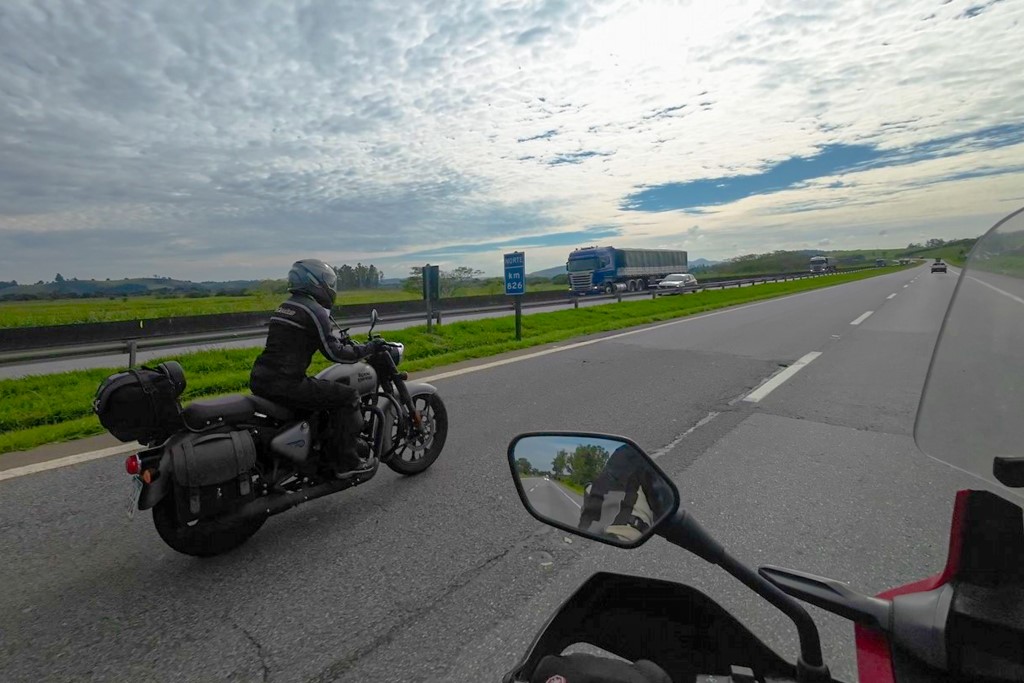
(232, 408)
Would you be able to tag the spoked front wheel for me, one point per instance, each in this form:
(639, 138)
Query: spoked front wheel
(418, 453)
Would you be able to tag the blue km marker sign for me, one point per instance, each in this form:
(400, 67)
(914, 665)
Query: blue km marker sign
(515, 273)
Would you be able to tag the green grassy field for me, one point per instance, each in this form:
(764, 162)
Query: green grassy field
(69, 311)
(955, 255)
(44, 409)
(572, 486)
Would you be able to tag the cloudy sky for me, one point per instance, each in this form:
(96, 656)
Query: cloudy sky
(222, 140)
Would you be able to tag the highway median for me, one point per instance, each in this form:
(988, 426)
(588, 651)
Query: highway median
(42, 409)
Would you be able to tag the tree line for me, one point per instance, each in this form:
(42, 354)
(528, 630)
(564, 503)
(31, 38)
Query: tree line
(579, 467)
(358, 276)
(451, 281)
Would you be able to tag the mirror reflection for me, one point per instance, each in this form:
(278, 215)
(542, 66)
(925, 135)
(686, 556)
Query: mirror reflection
(597, 486)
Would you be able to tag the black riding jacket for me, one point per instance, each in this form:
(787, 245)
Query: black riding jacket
(626, 471)
(298, 329)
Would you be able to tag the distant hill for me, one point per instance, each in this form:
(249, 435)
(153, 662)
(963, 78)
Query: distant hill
(229, 286)
(74, 288)
(774, 262)
(548, 272)
(702, 263)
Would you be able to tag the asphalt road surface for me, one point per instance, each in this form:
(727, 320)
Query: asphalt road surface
(553, 501)
(445, 577)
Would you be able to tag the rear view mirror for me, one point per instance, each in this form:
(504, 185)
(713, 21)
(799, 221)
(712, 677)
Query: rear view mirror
(593, 485)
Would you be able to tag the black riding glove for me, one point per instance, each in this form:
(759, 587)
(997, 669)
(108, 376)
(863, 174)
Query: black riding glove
(584, 668)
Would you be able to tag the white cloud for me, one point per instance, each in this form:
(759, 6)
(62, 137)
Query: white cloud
(192, 135)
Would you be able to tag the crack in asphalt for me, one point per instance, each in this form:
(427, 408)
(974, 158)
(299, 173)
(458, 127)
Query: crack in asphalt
(256, 644)
(681, 437)
(333, 671)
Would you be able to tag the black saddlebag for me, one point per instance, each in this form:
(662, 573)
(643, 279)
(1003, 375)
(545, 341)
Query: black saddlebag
(141, 404)
(213, 473)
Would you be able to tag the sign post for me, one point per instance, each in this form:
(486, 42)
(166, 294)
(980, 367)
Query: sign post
(431, 291)
(515, 285)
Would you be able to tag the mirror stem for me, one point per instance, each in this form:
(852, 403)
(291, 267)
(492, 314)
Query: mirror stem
(686, 532)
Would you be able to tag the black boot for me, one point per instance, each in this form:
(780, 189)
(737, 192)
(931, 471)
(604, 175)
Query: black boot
(352, 453)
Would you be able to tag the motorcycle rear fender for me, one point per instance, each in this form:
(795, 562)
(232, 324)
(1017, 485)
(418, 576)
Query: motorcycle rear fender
(674, 625)
(153, 493)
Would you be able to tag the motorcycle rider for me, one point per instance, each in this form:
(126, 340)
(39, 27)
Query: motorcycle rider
(619, 502)
(300, 327)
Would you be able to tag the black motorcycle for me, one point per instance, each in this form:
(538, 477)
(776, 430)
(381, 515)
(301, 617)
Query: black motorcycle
(214, 471)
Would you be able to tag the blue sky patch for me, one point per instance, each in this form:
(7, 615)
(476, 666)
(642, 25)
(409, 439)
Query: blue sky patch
(556, 239)
(667, 111)
(834, 159)
(575, 157)
(546, 135)
(830, 160)
(975, 10)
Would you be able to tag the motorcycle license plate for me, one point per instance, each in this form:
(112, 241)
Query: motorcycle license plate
(133, 497)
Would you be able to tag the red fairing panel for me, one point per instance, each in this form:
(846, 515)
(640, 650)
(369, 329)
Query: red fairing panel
(874, 660)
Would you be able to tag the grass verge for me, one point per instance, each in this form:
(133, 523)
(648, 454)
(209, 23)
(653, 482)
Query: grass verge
(573, 486)
(43, 409)
(70, 311)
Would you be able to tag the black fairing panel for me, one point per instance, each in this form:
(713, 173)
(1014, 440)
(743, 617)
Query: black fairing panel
(676, 626)
(985, 632)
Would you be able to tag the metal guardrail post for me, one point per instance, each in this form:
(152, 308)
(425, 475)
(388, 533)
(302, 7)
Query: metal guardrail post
(133, 347)
(576, 302)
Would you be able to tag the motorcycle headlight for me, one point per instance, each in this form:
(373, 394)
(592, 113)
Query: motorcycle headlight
(397, 351)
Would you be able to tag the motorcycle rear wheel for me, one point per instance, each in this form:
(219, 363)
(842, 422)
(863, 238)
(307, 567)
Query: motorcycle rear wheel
(417, 455)
(193, 539)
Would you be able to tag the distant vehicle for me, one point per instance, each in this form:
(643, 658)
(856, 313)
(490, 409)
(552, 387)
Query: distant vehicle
(608, 270)
(824, 264)
(904, 262)
(938, 266)
(677, 282)
(879, 262)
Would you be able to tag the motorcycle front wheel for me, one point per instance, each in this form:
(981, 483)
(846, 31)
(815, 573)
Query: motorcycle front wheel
(417, 454)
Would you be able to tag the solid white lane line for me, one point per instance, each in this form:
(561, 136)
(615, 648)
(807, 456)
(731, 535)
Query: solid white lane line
(777, 381)
(891, 296)
(15, 472)
(559, 488)
(862, 318)
(993, 287)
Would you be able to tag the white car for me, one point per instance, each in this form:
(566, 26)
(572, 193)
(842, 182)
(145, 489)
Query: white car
(677, 282)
